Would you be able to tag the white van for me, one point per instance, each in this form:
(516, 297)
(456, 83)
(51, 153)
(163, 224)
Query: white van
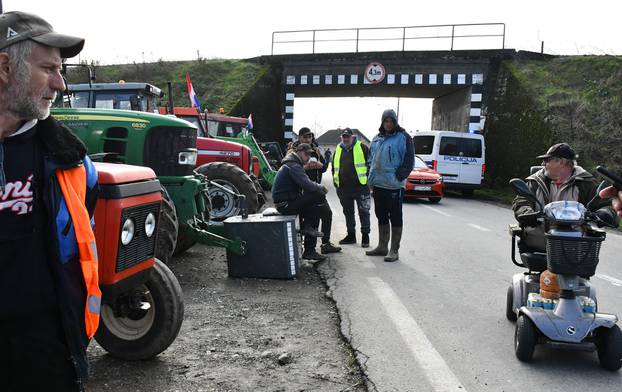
(459, 157)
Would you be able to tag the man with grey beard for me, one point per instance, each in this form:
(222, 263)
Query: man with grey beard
(45, 319)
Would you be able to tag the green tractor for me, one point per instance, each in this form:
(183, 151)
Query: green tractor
(168, 146)
(211, 127)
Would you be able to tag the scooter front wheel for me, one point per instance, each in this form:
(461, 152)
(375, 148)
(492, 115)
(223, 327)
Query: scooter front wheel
(609, 345)
(525, 338)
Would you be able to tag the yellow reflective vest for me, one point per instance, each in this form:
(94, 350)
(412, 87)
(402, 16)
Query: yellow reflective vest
(359, 163)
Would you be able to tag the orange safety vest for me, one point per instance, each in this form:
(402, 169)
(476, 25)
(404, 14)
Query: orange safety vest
(73, 185)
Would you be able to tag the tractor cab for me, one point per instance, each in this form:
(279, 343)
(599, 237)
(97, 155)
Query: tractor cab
(142, 97)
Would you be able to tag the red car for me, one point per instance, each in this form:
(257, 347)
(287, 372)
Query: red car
(424, 182)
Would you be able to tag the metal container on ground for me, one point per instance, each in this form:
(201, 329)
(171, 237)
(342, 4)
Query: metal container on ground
(271, 246)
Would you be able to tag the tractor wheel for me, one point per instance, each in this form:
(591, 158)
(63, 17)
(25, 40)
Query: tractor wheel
(168, 227)
(224, 205)
(609, 345)
(261, 195)
(145, 321)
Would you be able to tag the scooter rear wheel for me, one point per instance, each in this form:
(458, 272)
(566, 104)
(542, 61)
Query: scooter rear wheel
(609, 345)
(509, 305)
(525, 338)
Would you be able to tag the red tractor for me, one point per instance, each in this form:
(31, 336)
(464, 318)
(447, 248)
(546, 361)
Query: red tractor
(142, 303)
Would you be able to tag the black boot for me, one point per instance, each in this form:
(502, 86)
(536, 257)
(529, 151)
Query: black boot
(365, 240)
(311, 254)
(349, 239)
(329, 248)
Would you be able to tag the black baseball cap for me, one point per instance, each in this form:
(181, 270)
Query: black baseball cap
(347, 132)
(559, 150)
(16, 26)
(303, 131)
(305, 147)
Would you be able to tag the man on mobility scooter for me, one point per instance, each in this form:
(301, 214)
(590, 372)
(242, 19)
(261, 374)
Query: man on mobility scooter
(554, 302)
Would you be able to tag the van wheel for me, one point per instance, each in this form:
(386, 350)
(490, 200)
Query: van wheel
(468, 192)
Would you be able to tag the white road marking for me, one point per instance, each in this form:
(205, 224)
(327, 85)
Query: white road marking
(439, 375)
(437, 211)
(480, 228)
(610, 279)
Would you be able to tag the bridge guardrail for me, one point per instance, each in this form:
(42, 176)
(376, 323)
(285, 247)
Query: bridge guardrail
(450, 33)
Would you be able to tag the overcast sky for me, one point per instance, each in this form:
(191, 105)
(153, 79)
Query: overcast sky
(139, 30)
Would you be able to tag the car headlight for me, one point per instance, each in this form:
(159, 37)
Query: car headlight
(150, 224)
(127, 231)
(188, 158)
(440, 179)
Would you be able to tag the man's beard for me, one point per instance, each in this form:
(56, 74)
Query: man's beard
(22, 103)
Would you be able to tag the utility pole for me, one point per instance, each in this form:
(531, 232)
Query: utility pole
(1, 7)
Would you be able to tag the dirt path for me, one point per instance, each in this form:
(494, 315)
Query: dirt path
(233, 334)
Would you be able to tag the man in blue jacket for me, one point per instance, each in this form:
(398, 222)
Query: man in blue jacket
(43, 336)
(391, 160)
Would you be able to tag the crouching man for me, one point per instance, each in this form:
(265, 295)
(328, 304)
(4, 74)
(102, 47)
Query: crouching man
(294, 193)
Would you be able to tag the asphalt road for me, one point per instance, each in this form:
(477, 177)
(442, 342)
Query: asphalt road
(435, 320)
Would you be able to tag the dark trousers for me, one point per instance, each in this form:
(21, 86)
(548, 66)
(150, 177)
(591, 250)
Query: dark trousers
(34, 356)
(360, 196)
(388, 206)
(309, 207)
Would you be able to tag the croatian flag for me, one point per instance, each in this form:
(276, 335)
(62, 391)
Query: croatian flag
(194, 100)
(249, 124)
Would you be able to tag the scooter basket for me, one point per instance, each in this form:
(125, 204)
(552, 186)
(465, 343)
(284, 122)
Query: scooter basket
(573, 255)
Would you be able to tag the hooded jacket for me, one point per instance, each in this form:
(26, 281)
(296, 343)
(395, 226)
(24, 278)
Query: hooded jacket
(57, 149)
(291, 180)
(581, 187)
(392, 156)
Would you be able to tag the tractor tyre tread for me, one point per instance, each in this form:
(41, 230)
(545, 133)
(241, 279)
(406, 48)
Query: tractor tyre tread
(169, 309)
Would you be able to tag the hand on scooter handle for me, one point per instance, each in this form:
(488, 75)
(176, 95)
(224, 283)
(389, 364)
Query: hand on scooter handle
(528, 218)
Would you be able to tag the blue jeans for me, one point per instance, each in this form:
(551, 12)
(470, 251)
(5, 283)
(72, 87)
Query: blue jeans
(388, 206)
(360, 196)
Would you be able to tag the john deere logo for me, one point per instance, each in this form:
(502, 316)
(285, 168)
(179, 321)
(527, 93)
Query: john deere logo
(375, 73)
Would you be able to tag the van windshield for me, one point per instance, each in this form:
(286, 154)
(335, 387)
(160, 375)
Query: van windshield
(459, 146)
(423, 144)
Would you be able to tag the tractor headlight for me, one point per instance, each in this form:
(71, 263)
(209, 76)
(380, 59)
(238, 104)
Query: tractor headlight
(127, 231)
(150, 224)
(188, 157)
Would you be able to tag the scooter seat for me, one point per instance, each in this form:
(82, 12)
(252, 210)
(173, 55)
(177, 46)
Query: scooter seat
(534, 261)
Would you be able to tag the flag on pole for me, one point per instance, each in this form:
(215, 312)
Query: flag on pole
(249, 124)
(194, 100)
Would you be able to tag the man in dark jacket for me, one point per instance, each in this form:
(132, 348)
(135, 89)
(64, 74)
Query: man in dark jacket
(391, 160)
(350, 169)
(43, 293)
(294, 193)
(317, 165)
(560, 179)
